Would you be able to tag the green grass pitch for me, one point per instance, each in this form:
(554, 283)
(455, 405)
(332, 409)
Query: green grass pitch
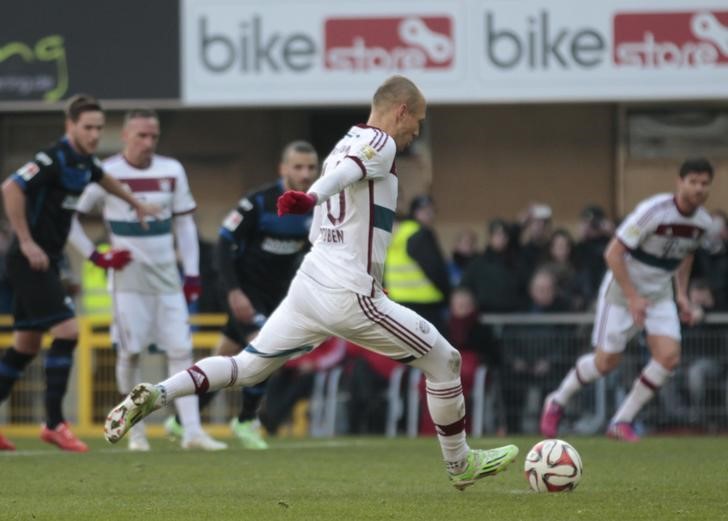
(660, 479)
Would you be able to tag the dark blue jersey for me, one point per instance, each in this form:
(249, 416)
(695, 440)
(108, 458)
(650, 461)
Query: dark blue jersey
(258, 251)
(52, 184)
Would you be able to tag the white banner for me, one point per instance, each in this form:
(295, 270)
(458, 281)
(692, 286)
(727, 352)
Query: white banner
(310, 52)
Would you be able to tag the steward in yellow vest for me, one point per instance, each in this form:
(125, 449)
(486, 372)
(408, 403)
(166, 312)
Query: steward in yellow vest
(415, 271)
(95, 294)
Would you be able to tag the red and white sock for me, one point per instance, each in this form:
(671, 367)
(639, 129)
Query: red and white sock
(584, 371)
(653, 377)
(446, 403)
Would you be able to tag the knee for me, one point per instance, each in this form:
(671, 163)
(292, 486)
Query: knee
(607, 362)
(669, 360)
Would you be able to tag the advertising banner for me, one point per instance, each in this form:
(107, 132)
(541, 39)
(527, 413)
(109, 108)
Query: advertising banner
(50, 50)
(288, 52)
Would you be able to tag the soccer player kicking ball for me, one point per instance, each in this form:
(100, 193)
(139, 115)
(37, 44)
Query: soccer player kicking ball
(653, 246)
(337, 291)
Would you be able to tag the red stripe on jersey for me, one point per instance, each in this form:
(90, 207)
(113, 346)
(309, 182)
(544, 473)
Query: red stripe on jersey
(393, 170)
(649, 213)
(149, 184)
(371, 226)
(361, 165)
(381, 146)
(377, 135)
(680, 230)
(186, 212)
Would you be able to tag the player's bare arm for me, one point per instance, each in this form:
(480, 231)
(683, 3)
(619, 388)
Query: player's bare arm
(241, 306)
(614, 256)
(14, 201)
(114, 187)
(682, 278)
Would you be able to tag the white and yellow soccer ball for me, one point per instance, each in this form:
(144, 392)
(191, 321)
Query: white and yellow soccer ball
(553, 466)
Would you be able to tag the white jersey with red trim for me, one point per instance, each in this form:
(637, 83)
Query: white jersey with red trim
(354, 228)
(164, 184)
(658, 237)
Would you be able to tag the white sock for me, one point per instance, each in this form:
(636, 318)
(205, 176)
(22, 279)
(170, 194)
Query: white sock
(653, 377)
(209, 374)
(187, 407)
(584, 371)
(128, 373)
(446, 403)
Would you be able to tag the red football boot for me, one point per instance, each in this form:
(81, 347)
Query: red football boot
(63, 438)
(6, 444)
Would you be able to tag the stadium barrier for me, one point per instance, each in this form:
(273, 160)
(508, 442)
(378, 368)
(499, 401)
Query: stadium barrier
(536, 352)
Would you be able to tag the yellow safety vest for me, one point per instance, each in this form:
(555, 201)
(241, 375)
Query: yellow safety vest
(96, 298)
(403, 277)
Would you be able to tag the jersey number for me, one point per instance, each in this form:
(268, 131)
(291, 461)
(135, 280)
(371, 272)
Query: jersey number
(341, 210)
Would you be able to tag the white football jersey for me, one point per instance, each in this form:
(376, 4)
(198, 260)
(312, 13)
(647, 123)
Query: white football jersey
(164, 184)
(352, 230)
(658, 237)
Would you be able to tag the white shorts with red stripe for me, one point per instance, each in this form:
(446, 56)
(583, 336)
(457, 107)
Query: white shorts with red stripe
(614, 326)
(141, 320)
(311, 313)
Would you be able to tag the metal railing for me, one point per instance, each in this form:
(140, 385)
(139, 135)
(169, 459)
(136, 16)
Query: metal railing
(536, 352)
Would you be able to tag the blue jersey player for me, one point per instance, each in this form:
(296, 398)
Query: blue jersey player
(258, 253)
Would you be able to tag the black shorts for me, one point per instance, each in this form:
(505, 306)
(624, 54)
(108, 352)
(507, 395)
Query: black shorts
(239, 332)
(39, 298)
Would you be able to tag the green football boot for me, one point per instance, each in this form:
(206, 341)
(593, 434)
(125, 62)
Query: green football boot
(141, 402)
(483, 463)
(248, 432)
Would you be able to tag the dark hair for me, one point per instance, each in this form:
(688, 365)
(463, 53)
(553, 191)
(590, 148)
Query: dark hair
(300, 147)
(696, 165)
(79, 104)
(140, 113)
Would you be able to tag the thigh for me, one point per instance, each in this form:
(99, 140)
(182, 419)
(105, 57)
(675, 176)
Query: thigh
(663, 320)
(388, 328)
(134, 320)
(172, 331)
(290, 330)
(613, 327)
(39, 299)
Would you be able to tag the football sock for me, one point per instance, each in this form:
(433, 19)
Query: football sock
(653, 377)
(252, 396)
(58, 364)
(11, 368)
(128, 372)
(584, 371)
(188, 410)
(211, 373)
(446, 404)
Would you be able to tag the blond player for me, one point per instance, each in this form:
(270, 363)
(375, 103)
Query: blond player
(653, 249)
(337, 290)
(148, 300)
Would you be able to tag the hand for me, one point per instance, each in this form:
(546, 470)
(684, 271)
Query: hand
(240, 305)
(192, 288)
(36, 256)
(638, 309)
(295, 202)
(689, 314)
(144, 210)
(114, 259)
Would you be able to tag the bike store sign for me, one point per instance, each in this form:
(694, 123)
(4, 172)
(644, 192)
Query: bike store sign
(322, 52)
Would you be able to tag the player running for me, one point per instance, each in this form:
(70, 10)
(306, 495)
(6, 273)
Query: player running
(148, 300)
(337, 291)
(653, 247)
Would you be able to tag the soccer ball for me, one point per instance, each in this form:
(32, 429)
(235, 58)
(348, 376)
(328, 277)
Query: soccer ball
(553, 466)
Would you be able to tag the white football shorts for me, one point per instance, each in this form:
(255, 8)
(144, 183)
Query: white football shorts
(311, 313)
(614, 326)
(141, 320)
